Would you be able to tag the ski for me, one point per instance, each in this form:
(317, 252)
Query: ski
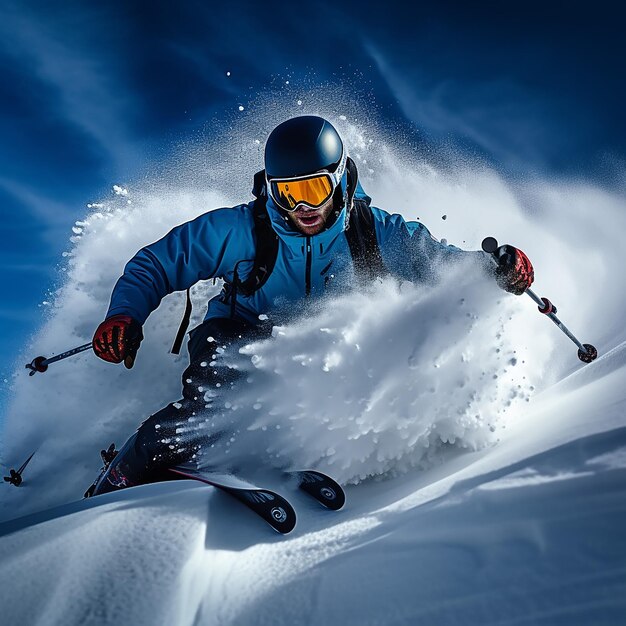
(269, 505)
(323, 488)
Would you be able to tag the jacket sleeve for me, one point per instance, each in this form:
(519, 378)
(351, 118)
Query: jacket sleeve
(412, 253)
(194, 251)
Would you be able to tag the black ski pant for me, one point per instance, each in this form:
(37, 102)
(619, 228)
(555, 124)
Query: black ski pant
(158, 444)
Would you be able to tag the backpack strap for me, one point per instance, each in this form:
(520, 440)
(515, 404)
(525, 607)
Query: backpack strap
(266, 242)
(361, 233)
(184, 325)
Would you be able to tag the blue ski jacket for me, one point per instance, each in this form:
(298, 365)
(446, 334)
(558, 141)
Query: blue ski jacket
(212, 244)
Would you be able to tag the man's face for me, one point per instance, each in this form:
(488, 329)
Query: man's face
(311, 221)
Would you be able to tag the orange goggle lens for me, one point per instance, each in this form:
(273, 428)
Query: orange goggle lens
(312, 191)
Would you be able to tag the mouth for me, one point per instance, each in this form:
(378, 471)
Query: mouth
(309, 219)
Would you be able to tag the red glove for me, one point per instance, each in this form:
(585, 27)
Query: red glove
(117, 339)
(515, 272)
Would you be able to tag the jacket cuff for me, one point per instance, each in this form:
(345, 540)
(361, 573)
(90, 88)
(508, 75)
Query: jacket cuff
(138, 317)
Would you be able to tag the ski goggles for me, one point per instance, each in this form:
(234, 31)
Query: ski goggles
(312, 191)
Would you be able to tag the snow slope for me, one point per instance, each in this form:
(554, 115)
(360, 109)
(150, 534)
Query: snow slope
(484, 464)
(528, 532)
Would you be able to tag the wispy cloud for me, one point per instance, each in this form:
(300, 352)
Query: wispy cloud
(27, 268)
(21, 315)
(495, 114)
(50, 212)
(64, 54)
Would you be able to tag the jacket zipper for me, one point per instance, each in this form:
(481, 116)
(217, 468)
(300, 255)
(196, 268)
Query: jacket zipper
(308, 267)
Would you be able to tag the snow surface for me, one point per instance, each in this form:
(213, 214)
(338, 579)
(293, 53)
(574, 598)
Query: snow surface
(484, 464)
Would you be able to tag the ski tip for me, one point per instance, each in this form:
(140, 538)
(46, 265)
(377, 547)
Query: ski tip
(284, 520)
(268, 505)
(327, 491)
(332, 499)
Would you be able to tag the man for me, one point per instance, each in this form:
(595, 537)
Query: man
(309, 232)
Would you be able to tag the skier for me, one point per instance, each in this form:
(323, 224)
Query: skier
(310, 231)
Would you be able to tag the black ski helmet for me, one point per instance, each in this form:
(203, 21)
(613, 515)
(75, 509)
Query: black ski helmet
(301, 146)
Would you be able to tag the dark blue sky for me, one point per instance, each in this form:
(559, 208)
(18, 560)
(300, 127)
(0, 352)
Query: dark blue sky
(92, 94)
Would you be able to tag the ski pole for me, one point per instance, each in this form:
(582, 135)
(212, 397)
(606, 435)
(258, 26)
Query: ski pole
(586, 352)
(40, 363)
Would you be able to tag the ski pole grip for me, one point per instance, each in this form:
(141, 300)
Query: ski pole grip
(38, 364)
(490, 245)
